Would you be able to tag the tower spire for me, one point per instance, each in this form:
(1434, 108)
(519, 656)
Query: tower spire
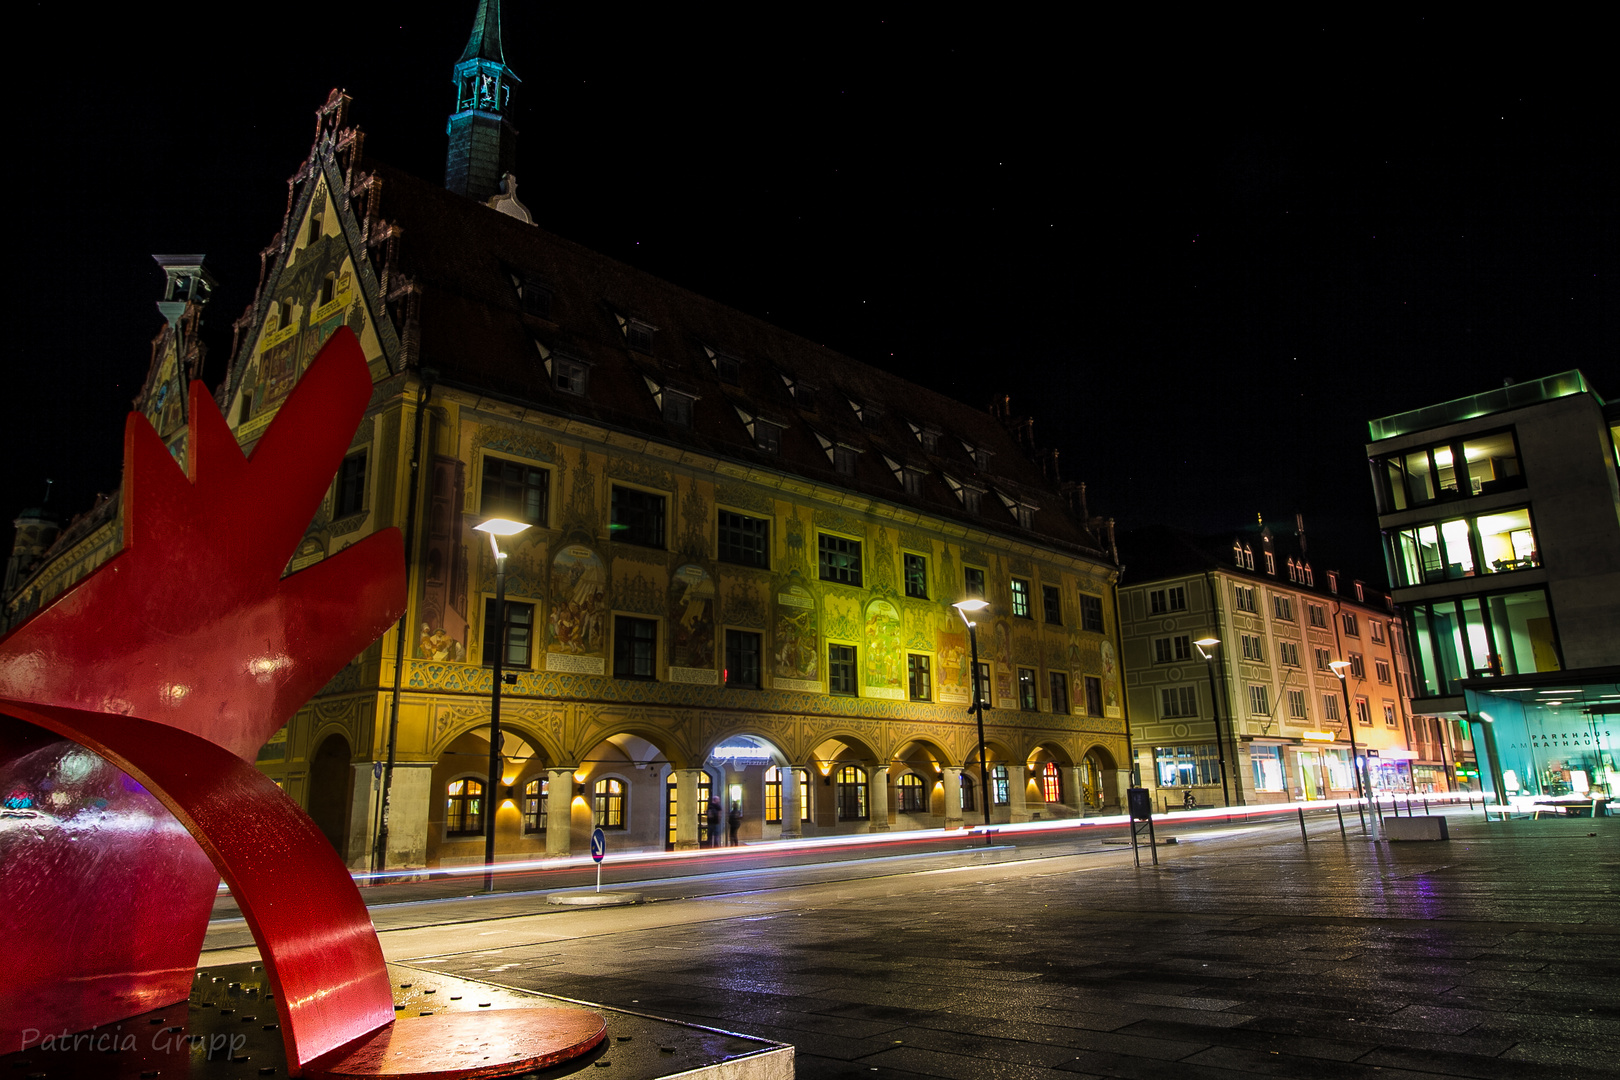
(483, 143)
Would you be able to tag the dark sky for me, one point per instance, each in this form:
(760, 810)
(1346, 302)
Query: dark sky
(1201, 254)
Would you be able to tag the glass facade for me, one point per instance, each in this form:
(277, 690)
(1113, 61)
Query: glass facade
(1548, 744)
(1463, 547)
(1185, 766)
(1477, 465)
(1474, 636)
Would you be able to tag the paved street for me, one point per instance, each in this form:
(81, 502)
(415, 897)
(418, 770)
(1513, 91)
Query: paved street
(1245, 952)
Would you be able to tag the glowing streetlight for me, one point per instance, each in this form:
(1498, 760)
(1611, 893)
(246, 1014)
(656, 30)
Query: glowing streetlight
(1206, 649)
(965, 608)
(496, 527)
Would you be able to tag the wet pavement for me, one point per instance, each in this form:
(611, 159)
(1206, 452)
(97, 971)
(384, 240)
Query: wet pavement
(1246, 951)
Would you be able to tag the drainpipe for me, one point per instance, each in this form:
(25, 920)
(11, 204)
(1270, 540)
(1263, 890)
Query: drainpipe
(379, 852)
(1124, 697)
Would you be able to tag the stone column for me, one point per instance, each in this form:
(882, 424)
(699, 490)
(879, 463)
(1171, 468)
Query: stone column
(791, 825)
(952, 775)
(559, 812)
(1017, 779)
(1074, 795)
(1122, 783)
(687, 809)
(877, 799)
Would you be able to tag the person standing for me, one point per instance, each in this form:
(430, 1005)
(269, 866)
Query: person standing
(714, 821)
(734, 820)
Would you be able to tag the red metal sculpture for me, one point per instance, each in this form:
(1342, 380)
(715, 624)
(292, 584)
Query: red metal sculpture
(175, 661)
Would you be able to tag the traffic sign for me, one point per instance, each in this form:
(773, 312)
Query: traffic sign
(598, 845)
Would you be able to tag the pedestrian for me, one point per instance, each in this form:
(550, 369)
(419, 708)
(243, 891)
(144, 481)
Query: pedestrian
(714, 821)
(734, 820)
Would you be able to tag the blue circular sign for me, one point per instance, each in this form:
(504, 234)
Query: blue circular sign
(598, 845)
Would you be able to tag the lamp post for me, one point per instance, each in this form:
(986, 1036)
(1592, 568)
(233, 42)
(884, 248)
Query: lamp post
(1203, 644)
(494, 527)
(962, 608)
(1339, 667)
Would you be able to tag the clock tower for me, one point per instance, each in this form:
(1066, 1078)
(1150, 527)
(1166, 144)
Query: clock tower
(483, 143)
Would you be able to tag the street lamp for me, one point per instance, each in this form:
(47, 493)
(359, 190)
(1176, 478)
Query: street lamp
(494, 527)
(1209, 643)
(963, 607)
(1339, 668)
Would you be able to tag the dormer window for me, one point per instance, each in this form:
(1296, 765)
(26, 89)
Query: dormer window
(569, 375)
(1359, 594)
(674, 405)
(844, 458)
(1271, 564)
(1023, 512)
(729, 368)
(767, 434)
(1307, 571)
(1237, 554)
(1248, 557)
(1333, 582)
(638, 334)
(535, 294)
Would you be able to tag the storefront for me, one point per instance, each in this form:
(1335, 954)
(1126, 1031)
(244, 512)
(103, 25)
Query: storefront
(1548, 739)
(1324, 772)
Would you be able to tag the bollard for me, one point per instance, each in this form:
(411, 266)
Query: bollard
(1337, 809)
(1361, 817)
(1303, 838)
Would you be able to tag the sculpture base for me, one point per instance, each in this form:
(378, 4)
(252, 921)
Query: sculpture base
(227, 1028)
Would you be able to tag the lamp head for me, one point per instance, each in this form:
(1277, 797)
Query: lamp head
(1339, 667)
(497, 526)
(1207, 642)
(974, 604)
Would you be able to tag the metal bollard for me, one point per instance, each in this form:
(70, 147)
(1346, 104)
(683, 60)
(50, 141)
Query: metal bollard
(1303, 838)
(1337, 809)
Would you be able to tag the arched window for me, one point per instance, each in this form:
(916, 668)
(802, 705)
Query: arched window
(967, 793)
(608, 798)
(773, 795)
(535, 801)
(464, 808)
(1051, 783)
(913, 795)
(998, 781)
(851, 787)
(1237, 553)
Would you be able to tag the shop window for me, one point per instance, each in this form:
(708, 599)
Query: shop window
(536, 800)
(916, 575)
(917, 678)
(839, 559)
(1051, 781)
(637, 517)
(464, 808)
(742, 658)
(841, 670)
(607, 804)
(1026, 690)
(911, 796)
(1187, 766)
(1268, 768)
(514, 491)
(635, 648)
(973, 582)
(744, 541)
(1060, 692)
(1052, 604)
(1091, 613)
(1020, 598)
(519, 634)
(850, 786)
(999, 785)
(349, 497)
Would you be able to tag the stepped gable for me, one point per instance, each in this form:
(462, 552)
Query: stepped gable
(462, 258)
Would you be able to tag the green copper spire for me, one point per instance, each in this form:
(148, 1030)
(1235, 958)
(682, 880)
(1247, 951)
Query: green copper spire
(483, 144)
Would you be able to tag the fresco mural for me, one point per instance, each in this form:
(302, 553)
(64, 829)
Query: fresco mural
(691, 614)
(1110, 669)
(441, 602)
(797, 643)
(882, 660)
(955, 660)
(578, 621)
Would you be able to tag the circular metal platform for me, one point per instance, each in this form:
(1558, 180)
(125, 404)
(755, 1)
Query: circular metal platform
(466, 1044)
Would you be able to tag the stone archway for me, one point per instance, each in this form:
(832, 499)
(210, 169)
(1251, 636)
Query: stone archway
(1099, 781)
(331, 783)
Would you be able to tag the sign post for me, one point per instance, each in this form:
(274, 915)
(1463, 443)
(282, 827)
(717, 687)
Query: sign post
(1141, 807)
(598, 849)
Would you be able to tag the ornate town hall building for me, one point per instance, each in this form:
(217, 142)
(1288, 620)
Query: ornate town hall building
(742, 550)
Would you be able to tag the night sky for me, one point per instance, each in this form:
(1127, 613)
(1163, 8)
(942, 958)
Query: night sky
(1201, 254)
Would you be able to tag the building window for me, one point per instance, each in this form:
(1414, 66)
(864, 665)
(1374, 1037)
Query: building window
(1389, 715)
(742, 658)
(536, 801)
(967, 792)
(464, 808)
(1330, 706)
(773, 795)
(1289, 652)
(970, 499)
(1026, 690)
(570, 376)
(1349, 620)
(1186, 766)
(1091, 613)
(1323, 659)
(638, 517)
(917, 679)
(608, 804)
(851, 788)
(1173, 700)
(1158, 602)
(744, 541)
(1296, 704)
(1259, 700)
(1177, 595)
(1094, 698)
(844, 460)
(1333, 582)
(519, 634)
(1363, 713)
(1243, 599)
(729, 368)
(1268, 768)
(515, 491)
(1060, 691)
(1271, 563)
(1020, 598)
(350, 496)
(677, 408)
(639, 336)
(840, 559)
(973, 582)
(1248, 557)
(981, 684)
(1318, 615)
(635, 648)
(1254, 648)
(911, 796)
(1051, 783)
(1359, 594)
(1381, 669)
(767, 436)
(1052, 604)
(1283, 608)
(911, 481)
(841, 670)
(999, 785)
(1167, 650)
(536, 295)
(1358, 666)
(916, 573)
(1375, 629)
